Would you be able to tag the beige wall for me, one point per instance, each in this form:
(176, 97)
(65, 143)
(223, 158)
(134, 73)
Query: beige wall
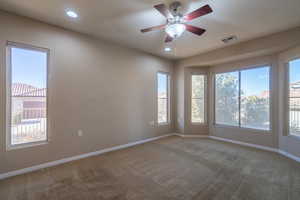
(179, 99)
(258, 47)
(103, 89)
(256, 52)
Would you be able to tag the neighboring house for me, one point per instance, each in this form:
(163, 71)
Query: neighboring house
(295, 95)
(265, 94)
(28, 102)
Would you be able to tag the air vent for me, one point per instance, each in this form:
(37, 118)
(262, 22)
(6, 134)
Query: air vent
(229, 39)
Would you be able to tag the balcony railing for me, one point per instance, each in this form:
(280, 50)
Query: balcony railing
(28, 125)
(294, 116)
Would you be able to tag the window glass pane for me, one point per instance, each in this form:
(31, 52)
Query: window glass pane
(162, 85)
(162, 111)
(162, 95)
(198, 111)
(255, 93)
(28, 96)
(294, 97)
(198, 89)
(227, 98)
(198, 86)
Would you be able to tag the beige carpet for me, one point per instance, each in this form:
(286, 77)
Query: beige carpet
(171, 168)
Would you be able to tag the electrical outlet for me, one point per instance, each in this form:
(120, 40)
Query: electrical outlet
(80, 133)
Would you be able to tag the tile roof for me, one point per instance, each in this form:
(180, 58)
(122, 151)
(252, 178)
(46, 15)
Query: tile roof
(25, 90)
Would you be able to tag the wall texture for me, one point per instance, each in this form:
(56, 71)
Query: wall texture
(103, 89)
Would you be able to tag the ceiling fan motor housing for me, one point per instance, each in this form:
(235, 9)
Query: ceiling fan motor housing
(176, 22)
(175, 8)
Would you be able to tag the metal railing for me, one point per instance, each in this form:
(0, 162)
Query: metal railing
(28, 125)
(294, 115)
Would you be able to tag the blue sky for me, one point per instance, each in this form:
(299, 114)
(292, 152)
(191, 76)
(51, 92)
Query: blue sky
(295, 71)
(162, 82)
(255, 81)
(29, 67)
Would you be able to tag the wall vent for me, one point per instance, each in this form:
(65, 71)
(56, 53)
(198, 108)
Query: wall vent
(229, 39)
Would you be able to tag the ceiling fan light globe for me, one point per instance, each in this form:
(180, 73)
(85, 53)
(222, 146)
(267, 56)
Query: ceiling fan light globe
(175, 30)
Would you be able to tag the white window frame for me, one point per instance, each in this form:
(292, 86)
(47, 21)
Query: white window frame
(168, 98)
(287, 96)
(9, 46)
(239, 99)
(204, 98)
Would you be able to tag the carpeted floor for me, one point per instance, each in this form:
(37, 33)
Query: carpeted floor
(170, 168)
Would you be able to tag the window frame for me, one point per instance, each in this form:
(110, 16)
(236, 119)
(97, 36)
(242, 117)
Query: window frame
(9, 46)
(287, 96)
(204, 98)
(168, 98)
(239, 70)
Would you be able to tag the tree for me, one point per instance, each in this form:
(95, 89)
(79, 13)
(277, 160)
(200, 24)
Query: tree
(227, 95)
(198, 98)
(255, 111)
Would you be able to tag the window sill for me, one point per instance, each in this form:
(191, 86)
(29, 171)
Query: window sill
(243, 128)
(163, 124)
(294, 136)
(28, 145)
(198, 124)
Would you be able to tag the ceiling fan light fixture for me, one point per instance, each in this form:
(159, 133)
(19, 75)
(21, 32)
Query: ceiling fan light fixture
(168, 49)
(71, 14)
(175, 30)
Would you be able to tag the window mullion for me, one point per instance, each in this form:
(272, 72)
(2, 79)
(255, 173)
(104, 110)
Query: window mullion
(239, 98)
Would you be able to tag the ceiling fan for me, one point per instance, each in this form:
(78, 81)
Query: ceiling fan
(176, 22)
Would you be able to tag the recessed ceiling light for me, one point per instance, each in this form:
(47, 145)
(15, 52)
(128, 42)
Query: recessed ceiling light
(168, 49)
(72, 14)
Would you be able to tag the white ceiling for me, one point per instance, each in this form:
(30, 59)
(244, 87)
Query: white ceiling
(120, 21)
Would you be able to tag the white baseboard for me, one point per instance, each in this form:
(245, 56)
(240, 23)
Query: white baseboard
(78, 157)
(245, 144)
(192, 136)
(286, 154)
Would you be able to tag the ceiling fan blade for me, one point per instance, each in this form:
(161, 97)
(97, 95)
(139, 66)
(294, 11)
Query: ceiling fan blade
(194, 29)
(168, 39)
(162, 8)
(198, 13)
(154, 28)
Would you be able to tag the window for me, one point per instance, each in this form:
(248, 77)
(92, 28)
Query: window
(198, 98)
(294, 97)
(27, 94)
(242, 98)
(255, 98)
(227, 99)
(162, 98)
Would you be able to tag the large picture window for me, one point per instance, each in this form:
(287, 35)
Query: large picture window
(294, 97)
(242, 98)
(198, 83)
(27, 94)
(162, 98)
